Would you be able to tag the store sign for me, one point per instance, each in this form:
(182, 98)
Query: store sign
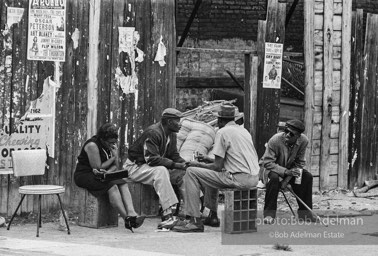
(34, 130)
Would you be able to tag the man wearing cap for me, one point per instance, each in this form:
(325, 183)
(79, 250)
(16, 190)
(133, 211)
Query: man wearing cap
(153, 158)
(235, 166)
(284, 158)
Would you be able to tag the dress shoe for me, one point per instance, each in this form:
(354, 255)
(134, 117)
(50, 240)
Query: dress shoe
(190, 227)
(168, 223)
(212, 221)
(134, 222)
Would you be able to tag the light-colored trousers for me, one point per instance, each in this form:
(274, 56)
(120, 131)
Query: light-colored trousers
(158, 177)
(209, 181)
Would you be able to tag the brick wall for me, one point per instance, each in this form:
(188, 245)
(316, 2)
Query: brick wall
(229, 19)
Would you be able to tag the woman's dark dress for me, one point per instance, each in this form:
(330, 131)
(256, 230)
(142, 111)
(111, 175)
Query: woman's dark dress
(84, 176)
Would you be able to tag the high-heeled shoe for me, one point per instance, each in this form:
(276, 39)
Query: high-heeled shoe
(134, 222)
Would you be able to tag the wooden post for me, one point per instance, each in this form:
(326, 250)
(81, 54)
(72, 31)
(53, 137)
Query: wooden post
(309, 75)
(327, 95)
(253, 97)
(94, 27)
(356, 98)
(345, 93)
(269, 99)
(247, 91)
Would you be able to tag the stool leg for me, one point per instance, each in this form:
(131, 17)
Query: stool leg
(14, 214)
(64, 214)
(40, 210)
(39, 214)
(287, 201)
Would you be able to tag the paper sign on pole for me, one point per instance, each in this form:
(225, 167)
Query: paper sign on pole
(47, 30)
(273, 66)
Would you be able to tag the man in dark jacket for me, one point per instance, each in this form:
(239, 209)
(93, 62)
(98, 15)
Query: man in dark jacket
(153, 156)
(283, 160)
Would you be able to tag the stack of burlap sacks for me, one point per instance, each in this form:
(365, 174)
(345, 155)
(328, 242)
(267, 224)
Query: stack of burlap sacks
(198, 128)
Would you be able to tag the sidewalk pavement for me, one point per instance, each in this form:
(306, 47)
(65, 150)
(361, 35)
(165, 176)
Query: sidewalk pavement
(21, 240)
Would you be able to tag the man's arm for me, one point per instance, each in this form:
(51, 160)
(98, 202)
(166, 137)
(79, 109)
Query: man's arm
(152, 155)
(216, 164)
(270, 159)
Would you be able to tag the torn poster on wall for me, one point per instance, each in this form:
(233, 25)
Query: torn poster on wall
(14, 15)
(273, 65)
(129, 55)
(161, 53)
(47, 26)
(34, 130)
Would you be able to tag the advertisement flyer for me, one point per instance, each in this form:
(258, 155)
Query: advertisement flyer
(273, 66)
(34, 130)
(46, 34)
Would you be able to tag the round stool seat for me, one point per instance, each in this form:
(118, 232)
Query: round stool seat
(41, 189)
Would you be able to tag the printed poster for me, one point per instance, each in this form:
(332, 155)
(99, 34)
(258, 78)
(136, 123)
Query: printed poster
(14, 15)
(47, 30)
(34, 130)
(273, 66)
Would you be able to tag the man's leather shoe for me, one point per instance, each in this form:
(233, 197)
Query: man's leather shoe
(190, 227)
(168, 224)
(211, 221)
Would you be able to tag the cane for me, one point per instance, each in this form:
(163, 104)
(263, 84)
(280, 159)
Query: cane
(308, 208)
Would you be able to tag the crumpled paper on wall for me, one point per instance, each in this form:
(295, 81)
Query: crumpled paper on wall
(161, 53)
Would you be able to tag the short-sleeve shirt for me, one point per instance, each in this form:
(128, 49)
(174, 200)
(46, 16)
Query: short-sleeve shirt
(234, 144)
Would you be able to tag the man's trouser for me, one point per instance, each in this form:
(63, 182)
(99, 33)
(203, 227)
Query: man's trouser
(209, 181)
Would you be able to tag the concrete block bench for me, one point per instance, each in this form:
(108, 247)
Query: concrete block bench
(240, 210)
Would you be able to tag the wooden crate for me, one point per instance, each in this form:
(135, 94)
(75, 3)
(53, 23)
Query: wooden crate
(96, 212)
(145, 199)
(240, 211)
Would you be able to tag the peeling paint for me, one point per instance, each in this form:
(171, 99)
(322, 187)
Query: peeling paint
(129, 55)
(161, 53)
(75, 38)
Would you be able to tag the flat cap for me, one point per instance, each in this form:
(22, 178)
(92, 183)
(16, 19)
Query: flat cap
(171, 113)
(295, 125)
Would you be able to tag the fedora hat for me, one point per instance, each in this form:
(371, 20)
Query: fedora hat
(227, 111)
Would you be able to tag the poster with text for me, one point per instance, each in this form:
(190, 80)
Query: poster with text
(14, 15)
(273, 66)
(47, 30)
(33, 130)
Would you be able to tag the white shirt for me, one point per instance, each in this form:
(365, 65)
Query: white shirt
(234, 144)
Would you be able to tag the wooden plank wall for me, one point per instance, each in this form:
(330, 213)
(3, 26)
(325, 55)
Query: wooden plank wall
(327, 101)
(130, 112)
(367, 165)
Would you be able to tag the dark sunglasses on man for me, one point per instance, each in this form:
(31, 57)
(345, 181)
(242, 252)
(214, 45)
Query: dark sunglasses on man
(290, 133)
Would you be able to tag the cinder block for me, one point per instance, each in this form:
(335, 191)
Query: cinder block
(240, 211)
(96, 212)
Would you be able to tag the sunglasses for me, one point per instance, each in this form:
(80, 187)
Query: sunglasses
(290, 133)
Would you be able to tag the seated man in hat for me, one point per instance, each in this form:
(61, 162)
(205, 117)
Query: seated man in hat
(284, 158)
(235, 166)
(153, 158)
